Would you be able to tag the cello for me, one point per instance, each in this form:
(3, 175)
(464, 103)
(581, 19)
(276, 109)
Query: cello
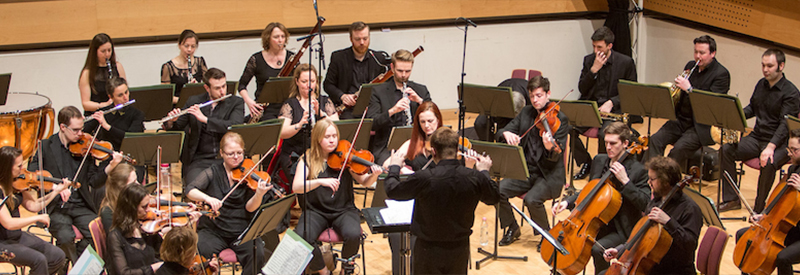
(594, 209)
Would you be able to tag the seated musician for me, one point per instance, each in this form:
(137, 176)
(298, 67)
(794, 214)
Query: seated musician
(545, 161)
(681, 218)
(206, 125)
(790, 254)
(178, 250)
(601, 72)
(31, 251)
(96, 72)
(392, 100)
(115, 124)
(118, 178)
(427, 119)
(329, 199)
(129, 250)
(264, 64)
(773, 98)
(177, 71)
(627, 176)
(519, 87)
(235, 212)
(352, 66)
(444, 208)
(78, 206)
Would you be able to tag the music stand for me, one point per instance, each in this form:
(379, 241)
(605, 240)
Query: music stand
(144, 148)
(546, 236)
(707, 208)
(364, 96)
(792, 122)
(155, 101)
(508, 162)
(646, 100)
(275, 90)
(259, 137)
(193, 89)
(581, 113)
(347, 130)
(399, 136)
(267, 218)
(720, 110)
(5, 83)
(489, 101)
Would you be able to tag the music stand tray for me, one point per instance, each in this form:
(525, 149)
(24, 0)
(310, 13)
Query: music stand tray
(266, 219)
(144, 146)
(275, 90)
(508, 161)
(193, 89)
(5, 84)
(259, 137)
(155, 101)
(792, 122)
(488, 100)
(582, 113)
(364, 96)
(647, 100)
(347, 130)
(399, 136)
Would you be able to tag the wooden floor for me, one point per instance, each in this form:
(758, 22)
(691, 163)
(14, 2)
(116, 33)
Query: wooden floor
(378, 254)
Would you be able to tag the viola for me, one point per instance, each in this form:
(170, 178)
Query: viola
(41, 179)
(649, 241)
(254, 177)
(200, 266)
(756, 250)
(359, 161)
(100, 150)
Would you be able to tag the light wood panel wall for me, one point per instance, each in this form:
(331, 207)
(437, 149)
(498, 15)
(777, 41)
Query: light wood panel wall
(79, 20)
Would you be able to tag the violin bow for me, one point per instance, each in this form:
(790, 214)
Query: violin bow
(350, 150)
(41, 181)
(538, 120)
(88, 151)
(264, 156)
(739, 193)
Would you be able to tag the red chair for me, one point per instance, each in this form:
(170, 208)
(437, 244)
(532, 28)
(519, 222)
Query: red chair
(710, 250)
(330, 236)
(228, 257)
(98, 236)
(525, 74)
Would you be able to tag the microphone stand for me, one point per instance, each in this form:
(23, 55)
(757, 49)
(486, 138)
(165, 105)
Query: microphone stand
(461, 107)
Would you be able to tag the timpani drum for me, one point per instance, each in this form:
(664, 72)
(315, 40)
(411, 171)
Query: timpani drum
(23, 123)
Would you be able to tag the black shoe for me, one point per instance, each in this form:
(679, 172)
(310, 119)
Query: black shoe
(584, 172)
(511, 234)
(731, 205)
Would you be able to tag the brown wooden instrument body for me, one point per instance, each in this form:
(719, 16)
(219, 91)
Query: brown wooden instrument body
(101, 150)
(30, 179)
(359, 162)
(756, 250)
(254, 177)
(646, 253)
(201, 266)
(289, 66)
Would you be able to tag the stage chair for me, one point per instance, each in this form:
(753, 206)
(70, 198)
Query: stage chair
(330, 236)
(710, 250)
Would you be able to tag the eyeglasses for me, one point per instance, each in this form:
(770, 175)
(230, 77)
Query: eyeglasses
(793, 150)
(234, 154)
(76, 131)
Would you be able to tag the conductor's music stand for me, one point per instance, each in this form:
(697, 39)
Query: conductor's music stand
(259, 137)
(399, 136)
(581, 113)
(155, 101)
(5, 83)
(489, 101)
(266, 219)
(193, 89)
(347, 130)
(646, 100)
(275, 90)
(364, 96)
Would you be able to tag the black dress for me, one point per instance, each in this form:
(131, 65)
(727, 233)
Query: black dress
(131, 256)
(257, 66)
(292, 110)
(99, 94)
(172, 74)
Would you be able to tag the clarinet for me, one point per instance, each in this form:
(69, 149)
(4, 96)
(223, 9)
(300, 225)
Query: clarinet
(189, 70)
(407, 111)
(110, 72)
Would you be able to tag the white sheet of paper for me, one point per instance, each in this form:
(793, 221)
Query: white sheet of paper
(290, 257)
(398, 212)
(89, 263)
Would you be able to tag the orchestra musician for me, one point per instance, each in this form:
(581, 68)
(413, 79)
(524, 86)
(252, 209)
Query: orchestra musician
(444, 207)
(629, 177)
(265, 64)
(392, 100)
(31, 251)
(681, 218)
(206, 125)
(601, 72)
(519, 87)
(115, 124)
(212, 185)
(329, 197)
(73, 207)
(352, 66)
(177, 71)
(118, 178)
(685, 135)
(178, 250)
(95, 74)
(773, 98)
(545, 162)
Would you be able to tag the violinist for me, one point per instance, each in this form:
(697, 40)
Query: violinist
(545, 161)
(118, 178)
(427, 119)
(329, 199)
(179, 251)
(100, 66)
(790, 254)
(444, 208)
(73, 207)
(31, 251)
(235, 212)
(629, 177)
(681, 218)
(177, 71)
(264, 64)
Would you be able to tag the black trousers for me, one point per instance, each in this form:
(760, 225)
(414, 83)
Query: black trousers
(537, 193)
(787, 257)
(211, 243)
(685, 142)
(397, 253)
(61, 222)
(31, 251)
(440, 257)
(347, 225)
(749, 148)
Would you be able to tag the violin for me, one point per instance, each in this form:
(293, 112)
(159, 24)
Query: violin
(596, 205)
(6, 256)
(649, 241)
(548, 122)
(756, 250)
(254, 177)
(41, 179)
(154, 221)
(359, 161)
(100, 150)
(200, 266)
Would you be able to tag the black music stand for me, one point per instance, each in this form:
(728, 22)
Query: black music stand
(347, 130)
(155, 101)
(546, 236)
(377, 225)
(646, 100)
(707, 208)
(364, 96)
(720, 110)
(275, 90)
(267, 218)
(489, 101)
(508, 161)
(792, 122)
(581, 113)
(399, 136)
(5, 84)
(144, 148)
(259, 137)
(193, 89)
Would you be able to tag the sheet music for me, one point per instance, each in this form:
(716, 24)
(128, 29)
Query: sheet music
(398, 212)
(291, 256)
(88, 263)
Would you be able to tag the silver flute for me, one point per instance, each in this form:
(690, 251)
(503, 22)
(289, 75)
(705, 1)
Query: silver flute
(110, 72)
(407, 111)
(119, 106)
(184, 111)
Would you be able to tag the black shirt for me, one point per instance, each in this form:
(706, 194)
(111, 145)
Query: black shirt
(323, 200)
(11, 235)
(602, 86)
(127, 119)
(131, 256)
(99, 94)
(715, 78)
(445, 198)
(360, 74)
(764, 105)
(170, 73)
(257, 66)
(172, 268)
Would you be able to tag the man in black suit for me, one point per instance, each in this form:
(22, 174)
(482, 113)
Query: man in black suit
(72, 208)
(352, 66)
(394, 103)
(207, 125)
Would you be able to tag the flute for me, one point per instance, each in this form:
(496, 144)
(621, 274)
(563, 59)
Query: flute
(119, 106)
(184, 111)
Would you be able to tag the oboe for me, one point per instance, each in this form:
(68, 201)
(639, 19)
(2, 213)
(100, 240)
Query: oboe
(407, 111)
(184, 111)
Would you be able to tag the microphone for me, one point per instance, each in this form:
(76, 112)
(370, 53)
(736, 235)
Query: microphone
(307, 36)
(468, 21)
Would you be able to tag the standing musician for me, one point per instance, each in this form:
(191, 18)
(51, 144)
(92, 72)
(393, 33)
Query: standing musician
(31, 251)
(391, 100)
(95, 73)
(444, 207)
(263, 65)
(72, 208)
(791, 252)
(352, 66)
(206, 125)
(212, 185)
(328, 194)
(685, 135)
(545, 161)
(681, 217)
(178, 71)
(773, 98)
(629, 178)
(115, 124)
(601, 72)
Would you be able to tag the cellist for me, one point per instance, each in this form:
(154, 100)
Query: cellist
(629, 178)
(791, 252)
(681, 218)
